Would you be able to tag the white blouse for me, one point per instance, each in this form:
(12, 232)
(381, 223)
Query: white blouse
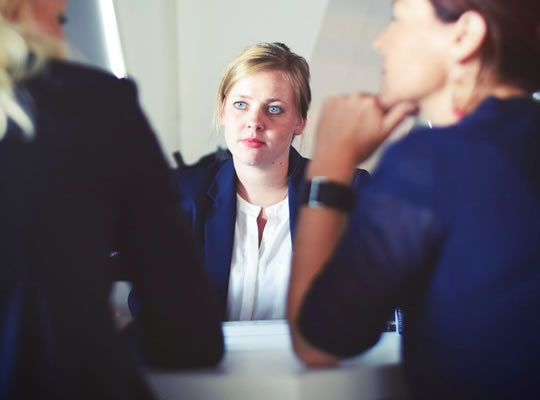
(259, 274)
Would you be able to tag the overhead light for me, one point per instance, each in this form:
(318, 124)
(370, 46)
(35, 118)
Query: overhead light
(109, 25)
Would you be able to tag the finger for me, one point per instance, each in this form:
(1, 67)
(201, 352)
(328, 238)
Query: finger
(397, 114)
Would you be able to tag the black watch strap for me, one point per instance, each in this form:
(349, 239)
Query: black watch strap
(322, 192)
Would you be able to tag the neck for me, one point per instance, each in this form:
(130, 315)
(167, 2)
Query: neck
(262, 186)
(437, 108)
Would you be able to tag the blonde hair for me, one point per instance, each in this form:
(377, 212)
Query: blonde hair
(265, 57)
(23, 50)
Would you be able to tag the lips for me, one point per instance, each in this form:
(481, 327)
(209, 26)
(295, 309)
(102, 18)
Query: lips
(252, 143)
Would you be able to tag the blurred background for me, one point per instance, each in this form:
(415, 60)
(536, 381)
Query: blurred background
(176, 51)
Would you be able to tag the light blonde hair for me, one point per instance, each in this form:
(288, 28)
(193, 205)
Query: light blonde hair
(265, 57)
(23, 50)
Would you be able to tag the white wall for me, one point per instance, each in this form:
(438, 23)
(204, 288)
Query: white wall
(84, 33)
(148, 32)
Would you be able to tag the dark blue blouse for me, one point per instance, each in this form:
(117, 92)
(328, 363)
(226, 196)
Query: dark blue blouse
(448, 229)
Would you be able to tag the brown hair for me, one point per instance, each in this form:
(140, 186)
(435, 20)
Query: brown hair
(265, 57)
(512, 44)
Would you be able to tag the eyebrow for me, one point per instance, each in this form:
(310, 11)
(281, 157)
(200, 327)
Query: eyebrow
(242, 96)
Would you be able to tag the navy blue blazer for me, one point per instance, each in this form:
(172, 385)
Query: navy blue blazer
(208, 200)
(92, 180)
(448, 229)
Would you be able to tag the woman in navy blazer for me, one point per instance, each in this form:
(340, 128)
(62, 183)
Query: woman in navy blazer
(81, 174)
(262, 103)
(210, 204)
(448, 228)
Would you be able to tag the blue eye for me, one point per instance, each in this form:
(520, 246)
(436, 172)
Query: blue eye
(275, 109)
(240, 105)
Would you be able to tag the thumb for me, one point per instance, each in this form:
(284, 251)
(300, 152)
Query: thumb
(396, 114)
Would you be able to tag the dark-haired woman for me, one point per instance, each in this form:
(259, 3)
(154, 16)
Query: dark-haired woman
(449, 228)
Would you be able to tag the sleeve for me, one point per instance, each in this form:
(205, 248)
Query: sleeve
(178, 319)
(384, 253)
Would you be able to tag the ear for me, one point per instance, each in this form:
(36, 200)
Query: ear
(469, 35)
(222, 110)
(299, 127)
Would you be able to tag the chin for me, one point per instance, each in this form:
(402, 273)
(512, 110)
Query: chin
(248, 159)
(387, 96)
(387, 99)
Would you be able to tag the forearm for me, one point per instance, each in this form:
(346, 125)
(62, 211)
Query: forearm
(351, 127)
(313, 247)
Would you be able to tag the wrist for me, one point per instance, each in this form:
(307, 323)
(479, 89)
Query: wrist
(322, 192)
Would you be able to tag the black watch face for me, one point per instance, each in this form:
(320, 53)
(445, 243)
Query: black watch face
(325, 193)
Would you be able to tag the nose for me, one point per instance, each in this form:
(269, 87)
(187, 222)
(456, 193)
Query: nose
(256, 120)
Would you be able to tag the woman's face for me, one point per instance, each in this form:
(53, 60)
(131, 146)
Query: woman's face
(49, 16)
(259, 117)
(415, 51)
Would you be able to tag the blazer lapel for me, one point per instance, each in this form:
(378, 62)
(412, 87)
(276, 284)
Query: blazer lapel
(219, 230)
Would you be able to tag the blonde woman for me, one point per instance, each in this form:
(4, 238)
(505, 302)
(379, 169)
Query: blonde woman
(243, 210)
(82, 174)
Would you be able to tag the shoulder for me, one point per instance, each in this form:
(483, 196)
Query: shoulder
(72, 85)
(75, 76)
(192, 183)
(70, 97)
(297, 163)
(410, 169)
(85, 113)
(416, 146)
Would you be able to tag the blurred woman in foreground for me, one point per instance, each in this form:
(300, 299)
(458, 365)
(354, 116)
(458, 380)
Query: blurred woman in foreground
(448, 229)
(82, 174)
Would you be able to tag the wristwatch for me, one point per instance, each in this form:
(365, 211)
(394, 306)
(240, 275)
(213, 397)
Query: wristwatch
(323, 192)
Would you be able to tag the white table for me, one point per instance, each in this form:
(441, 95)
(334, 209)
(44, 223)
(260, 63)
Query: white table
(259, 364)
